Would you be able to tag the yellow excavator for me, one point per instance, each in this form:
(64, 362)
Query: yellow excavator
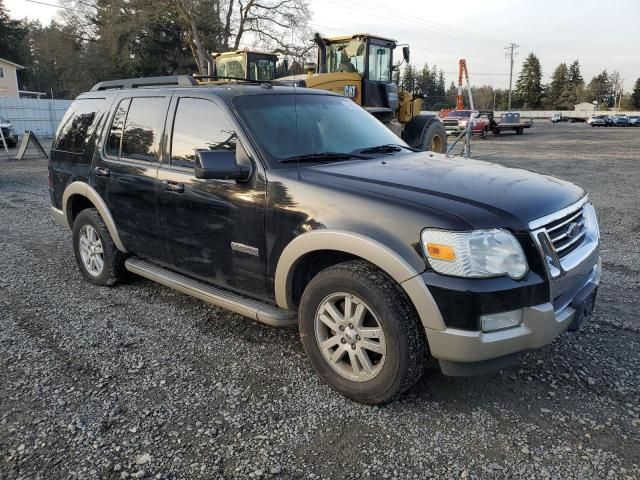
(360, 67)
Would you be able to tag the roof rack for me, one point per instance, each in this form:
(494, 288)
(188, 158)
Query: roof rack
(179, 80)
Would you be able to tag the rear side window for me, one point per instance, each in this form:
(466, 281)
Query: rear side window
(135, 128)
(198, 125)
(78, 125)
(115, 132)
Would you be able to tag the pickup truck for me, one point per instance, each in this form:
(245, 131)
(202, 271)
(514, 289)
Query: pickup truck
(456, 121)
(296, 207)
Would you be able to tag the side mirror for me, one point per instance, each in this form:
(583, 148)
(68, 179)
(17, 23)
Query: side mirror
(220, 165)
(406, 54)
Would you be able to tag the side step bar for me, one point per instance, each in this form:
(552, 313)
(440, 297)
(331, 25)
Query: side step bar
(262, 312)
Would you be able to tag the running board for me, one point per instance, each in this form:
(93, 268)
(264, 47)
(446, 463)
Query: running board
(262, 312)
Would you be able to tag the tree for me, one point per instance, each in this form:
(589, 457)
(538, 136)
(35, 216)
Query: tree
(529, 85)
(408, 81)
(12, 34)
(635, 96)
(483, 97)
(600, 89)
(559, 85)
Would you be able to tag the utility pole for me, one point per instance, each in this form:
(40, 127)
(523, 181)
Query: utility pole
(510, 54)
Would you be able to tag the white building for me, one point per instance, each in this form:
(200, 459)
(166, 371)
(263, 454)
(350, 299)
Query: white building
(584, 107)
(9, 78)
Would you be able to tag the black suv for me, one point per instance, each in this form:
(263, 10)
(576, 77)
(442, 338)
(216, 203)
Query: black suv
(296, 206)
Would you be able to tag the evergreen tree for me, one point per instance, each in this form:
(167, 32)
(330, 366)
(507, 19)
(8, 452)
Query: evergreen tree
(635, 96)
(529, 85)
(575, 77)
(559, 85)
(408, 81)
(601, 90)
(12, 34)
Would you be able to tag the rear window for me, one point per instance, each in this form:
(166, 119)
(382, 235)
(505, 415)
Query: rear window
(78, 125)
(136, 127)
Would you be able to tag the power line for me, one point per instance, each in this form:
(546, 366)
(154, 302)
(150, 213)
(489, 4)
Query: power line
(54, 6)
(411, 22)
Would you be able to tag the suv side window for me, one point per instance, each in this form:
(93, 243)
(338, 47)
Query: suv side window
(142, 128)
(115, 132)
(78, 125)
(199, 124)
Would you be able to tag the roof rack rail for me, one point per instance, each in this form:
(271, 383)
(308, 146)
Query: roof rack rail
(179, 80)
(198, 76)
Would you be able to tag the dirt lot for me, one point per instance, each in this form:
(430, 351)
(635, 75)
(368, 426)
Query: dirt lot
(140, 381)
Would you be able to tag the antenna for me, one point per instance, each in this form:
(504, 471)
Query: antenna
(510, 54)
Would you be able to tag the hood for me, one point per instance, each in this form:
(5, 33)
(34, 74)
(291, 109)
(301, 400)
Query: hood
(483, 194)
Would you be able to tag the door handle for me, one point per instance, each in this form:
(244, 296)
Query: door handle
(173, 186)
(101, 171)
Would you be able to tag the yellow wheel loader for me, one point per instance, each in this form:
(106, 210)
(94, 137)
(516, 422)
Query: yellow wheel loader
(360, 67)
(240, 65)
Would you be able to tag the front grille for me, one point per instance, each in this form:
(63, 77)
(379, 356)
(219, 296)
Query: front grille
(450, 123)
(567, 233)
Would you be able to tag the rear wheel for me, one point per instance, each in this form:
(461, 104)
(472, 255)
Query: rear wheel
(434, 138)
(100, 262)
(360, 333)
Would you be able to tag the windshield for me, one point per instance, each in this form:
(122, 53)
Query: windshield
(261, 68)
(286, 126)
(379, 63)
(231, 66)
(347, 56)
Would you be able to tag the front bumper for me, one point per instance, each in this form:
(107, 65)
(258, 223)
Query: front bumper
(541, 324)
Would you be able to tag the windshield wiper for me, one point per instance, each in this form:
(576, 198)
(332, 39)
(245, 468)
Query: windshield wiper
(386, 148)
(320, 156)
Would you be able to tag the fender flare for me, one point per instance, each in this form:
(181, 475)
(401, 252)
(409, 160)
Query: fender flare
(413, 131)
(85, 190)
(366, 248)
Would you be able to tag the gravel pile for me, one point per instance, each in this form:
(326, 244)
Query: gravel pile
(139, 381)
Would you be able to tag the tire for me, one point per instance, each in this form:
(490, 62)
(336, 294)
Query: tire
(89, 227)
(385, 306)
(434, 138)
(483, 135)
(519, 131)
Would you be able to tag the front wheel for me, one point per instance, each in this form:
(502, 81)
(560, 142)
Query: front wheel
(360, 333)
(434, 138)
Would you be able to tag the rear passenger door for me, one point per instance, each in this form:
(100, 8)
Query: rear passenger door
(126, 170)
(214, 229)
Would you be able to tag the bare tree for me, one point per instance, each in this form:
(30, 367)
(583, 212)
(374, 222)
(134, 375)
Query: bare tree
(276, 25)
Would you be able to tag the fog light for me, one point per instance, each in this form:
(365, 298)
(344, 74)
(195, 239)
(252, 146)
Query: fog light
(500, 321)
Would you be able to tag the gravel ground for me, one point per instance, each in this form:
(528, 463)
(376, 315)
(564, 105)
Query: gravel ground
(139, 381)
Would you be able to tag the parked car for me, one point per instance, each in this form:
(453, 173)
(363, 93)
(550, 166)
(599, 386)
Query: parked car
(8, 132)
(296, 206)
(620, 121)
(457, 120)
(599, 121)
(634, 121)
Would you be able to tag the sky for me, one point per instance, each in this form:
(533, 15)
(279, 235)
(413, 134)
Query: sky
(599, 33)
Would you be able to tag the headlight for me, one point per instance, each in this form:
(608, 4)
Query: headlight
(475, 254)
(591, 220)
(463, 123)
